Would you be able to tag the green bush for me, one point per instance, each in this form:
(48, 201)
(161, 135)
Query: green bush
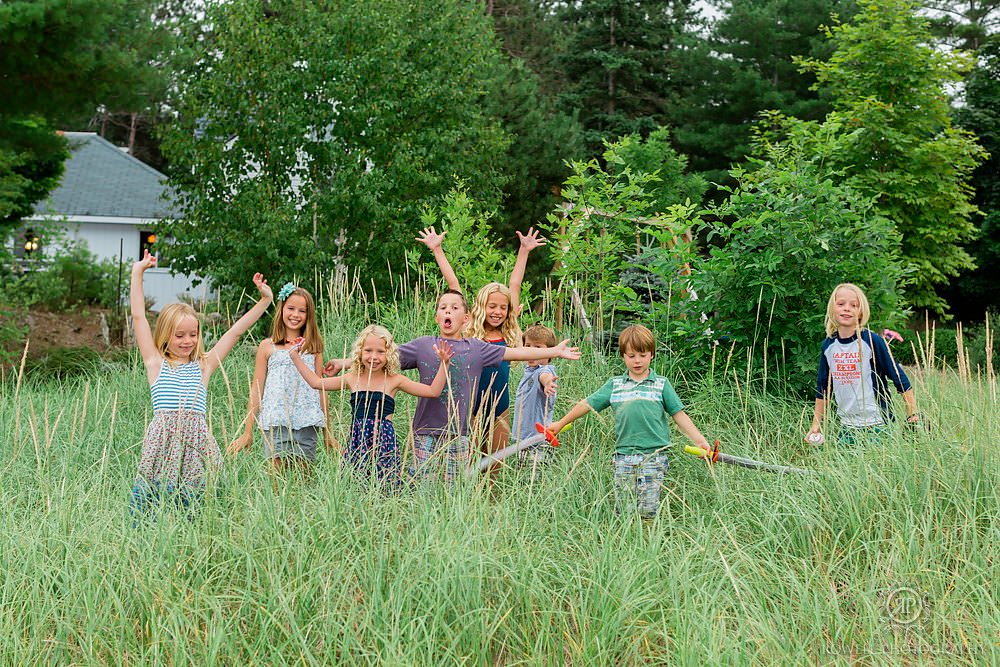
(784, 238)
(74, 277)
(64, 362)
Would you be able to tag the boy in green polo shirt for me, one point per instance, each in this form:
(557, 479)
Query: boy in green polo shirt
(641, 401)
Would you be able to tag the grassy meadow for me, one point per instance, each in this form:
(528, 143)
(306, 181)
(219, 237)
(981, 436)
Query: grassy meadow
(885, 556)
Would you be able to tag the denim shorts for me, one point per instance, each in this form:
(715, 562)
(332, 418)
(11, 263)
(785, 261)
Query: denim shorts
(638, 482)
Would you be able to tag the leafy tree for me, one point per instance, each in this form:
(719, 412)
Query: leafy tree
(743, 67)
(621, 64)
(58, 59)
(787, 233)
(975, 291)
(656, 155)
(964, 24)
(310, 135)
(888, 82)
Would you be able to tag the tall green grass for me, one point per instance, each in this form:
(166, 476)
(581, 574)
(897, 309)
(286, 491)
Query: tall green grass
(740, 567)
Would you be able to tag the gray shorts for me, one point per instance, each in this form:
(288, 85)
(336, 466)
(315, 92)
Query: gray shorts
(282, 442)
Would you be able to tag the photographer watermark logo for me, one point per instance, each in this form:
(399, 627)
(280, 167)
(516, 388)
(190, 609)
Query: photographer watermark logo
(904, 606)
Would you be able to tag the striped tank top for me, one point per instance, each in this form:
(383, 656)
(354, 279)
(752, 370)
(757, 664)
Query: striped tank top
(179, 388)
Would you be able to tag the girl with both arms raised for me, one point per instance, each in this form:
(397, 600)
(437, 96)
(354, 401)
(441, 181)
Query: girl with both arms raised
(292, 415)
(179, 454)
(493, 319)
(374, 379)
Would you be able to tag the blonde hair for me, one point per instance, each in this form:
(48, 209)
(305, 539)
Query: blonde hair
(391, 350)
(509, 329)
(636, 338)
(166, 324)
(864, 310)
(310, 330)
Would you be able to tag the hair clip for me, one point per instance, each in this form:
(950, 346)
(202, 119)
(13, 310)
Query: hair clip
(286, 291)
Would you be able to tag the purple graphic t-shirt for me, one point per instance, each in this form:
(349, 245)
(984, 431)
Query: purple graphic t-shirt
(439, 416)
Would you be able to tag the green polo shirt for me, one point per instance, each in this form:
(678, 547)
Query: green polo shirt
(641, 410)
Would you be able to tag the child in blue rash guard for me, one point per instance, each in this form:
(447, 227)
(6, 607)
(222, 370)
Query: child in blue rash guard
(855, 363)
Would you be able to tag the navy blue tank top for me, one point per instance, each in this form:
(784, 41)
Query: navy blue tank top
(372, 405)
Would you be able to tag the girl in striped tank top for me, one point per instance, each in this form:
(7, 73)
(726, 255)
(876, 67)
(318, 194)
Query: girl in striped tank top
(179, 453)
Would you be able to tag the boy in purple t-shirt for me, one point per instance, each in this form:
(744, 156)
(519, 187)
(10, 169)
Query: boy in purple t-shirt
(441, 425)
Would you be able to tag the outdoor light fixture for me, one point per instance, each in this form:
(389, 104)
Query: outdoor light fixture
(30, 242)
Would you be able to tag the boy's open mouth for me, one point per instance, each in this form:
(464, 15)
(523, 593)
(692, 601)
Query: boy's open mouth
(447, 323)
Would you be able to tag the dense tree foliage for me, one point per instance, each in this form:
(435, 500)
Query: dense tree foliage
(743, 66)
(59, 59)
(308, 137)
(976, 290)
(889, 83)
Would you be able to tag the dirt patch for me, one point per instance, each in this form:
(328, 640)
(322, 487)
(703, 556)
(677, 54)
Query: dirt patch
(46, 331)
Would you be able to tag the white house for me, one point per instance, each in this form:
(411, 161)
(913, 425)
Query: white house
(112, 201)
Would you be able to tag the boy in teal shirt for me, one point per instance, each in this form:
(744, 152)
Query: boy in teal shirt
(641, 401)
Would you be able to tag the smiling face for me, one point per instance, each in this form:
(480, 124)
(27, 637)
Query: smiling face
(846, 309)
(451, 315)
(295, 315)
(497, 306)
(373, 354)
(184, 339)
(637, 363)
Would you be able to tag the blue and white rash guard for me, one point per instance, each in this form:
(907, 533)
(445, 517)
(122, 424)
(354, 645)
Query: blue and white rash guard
(859, 369)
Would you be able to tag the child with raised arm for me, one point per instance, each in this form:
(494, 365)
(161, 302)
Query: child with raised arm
(855, 363)
(374, 379)
(179, 453)
(292, 414)
(535, 398)
(441, 425)
(641, 399)
(494, 320)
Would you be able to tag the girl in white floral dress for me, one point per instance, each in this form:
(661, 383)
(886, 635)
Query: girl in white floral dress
(290, 414)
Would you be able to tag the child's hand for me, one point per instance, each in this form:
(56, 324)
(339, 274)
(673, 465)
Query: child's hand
(333, 368)
(564, 351)
(531, 240)
(296, 345)
(550, 389)
(431, 238)
(444, 351)
(147, 261)
(814, 436)
(263, 287)
(240, 443)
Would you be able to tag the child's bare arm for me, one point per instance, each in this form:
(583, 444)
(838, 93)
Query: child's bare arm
(228, 340)
(577, 411)
(529, 242)
(818, 413)
(548, 381)
(311, 377)
(688, 428)
(430, 238)
(562, 351)
(137, 304)
(445, 352)
(253, 402)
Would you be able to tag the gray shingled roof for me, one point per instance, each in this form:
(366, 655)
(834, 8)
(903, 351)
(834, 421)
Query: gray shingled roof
(101, 179)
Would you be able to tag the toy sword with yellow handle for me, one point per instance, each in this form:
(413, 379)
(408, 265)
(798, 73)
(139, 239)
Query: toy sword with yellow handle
(715, 455)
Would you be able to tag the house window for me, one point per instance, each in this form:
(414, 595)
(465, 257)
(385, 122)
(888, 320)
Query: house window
(147, 240)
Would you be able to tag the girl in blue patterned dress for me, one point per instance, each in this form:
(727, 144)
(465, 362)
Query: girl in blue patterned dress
(179, 454)
(290, 414)
(374, 379)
